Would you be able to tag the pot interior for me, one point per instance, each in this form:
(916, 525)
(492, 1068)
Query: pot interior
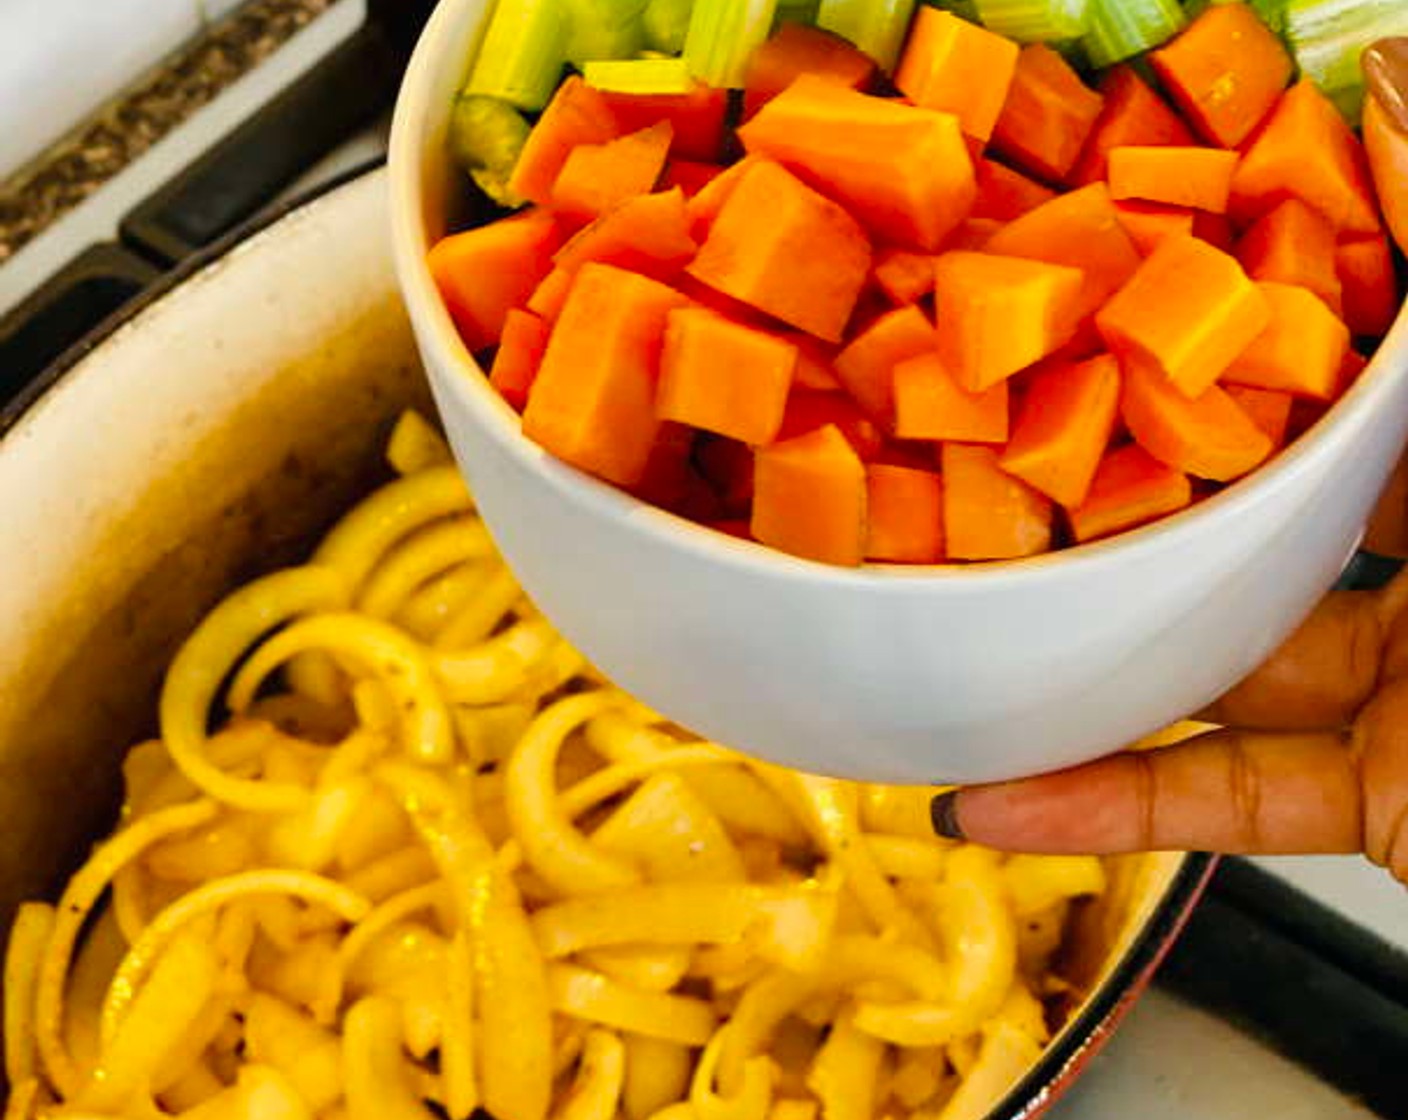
(211, 438)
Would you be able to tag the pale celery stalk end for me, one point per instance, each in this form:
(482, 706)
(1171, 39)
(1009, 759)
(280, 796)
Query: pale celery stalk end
(640, 76)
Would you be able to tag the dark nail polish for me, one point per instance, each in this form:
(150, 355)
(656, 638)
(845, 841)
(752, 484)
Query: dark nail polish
(943, 811)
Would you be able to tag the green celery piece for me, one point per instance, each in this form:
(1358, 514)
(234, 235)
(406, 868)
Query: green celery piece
(601, 30)
(1328, 36)
(665, 23)
(1034, 21)
(796, 11)
(965, 9)
(486, 136)
(1121, 29)
(520, 59)
(640, 75)
(722, 35)
(878, 27)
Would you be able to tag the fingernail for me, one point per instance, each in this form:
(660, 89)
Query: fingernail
(943, 811)
(1386, 74)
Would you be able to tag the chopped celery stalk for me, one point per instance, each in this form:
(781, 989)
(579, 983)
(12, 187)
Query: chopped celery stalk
(1034, 21)
(795, 11)
(665, 23)
(600, 30)
(486, 137)
(521, 57)
(1328, 36)
(722, 34)
(640, 75)
(1121, 29)
(878, 27)
(965, 9)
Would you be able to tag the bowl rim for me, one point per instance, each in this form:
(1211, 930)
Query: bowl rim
(429, 76)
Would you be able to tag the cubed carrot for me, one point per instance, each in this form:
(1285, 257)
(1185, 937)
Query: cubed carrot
(1081, 229)
(1198, 178)
(549, 296)
(998, 315)
(796, 49)
(866, 366)
(781, 247)
(904, 172)
(647, 234)
(903, 275)
(807, 411)
(596, 177)
(989, 514)
(809, 498)
(1364, 266)
(957, 67)
(723, 377)
(519, 354)
(1130, 488)
(1354, 364)
(1190, 310)
(1148, 223)
(1005, 194)
(1292, 244)
(1207, 436)
(905, 515)
(1300, 351)
(1048, 115)
(577, 114)
(1269, 410)
(1068, 413)
(1306, 151)
(690, 176)
(704, 207)
(697, 118)
(1132, 114)
(593, 401)
(484, 272)
(930, 404)
(1225, 71)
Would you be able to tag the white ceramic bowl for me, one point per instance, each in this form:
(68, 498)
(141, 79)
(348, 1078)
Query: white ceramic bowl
(900, 675)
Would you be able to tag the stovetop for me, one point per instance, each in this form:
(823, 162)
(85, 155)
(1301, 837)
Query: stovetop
(1287, 995)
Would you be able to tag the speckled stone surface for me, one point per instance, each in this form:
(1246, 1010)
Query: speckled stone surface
(141, 115)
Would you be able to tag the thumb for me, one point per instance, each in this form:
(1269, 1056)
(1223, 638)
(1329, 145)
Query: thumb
(1228, 791)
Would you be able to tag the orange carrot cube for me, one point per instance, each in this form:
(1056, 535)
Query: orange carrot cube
(1198, 178)
(549, 296)
(1225, 71)
(796, 49)
(989, 514)
(593, 401)
(648, 233)
(1130, 488)
(1269, 409)
(1005, 194)
(1306, 151)
(903, 171)
(903, 275)
(1132, 114)
(807, 411)
(1207, 436)
(1190, 310)
(596, 177)
(866, 366)
(931, 404)
(1048, 115)
(724, 377)
(577, 114)
(998, 315)
(1301, 350)
(1148, 223)
(809, 498)
(484, 272)
(779, 246)
(1364, 266)
(905, 522)
(1292, 244)
(957, 67)
(1068, 414)
(520, 352)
